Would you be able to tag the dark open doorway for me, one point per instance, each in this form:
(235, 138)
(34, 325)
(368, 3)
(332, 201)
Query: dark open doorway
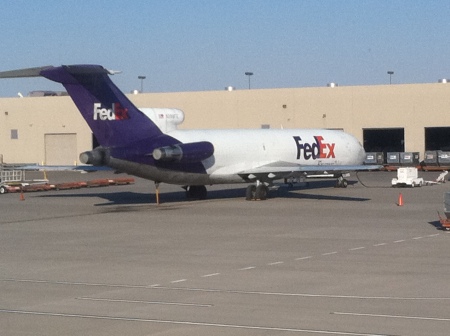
(437, 138)
(384, 139)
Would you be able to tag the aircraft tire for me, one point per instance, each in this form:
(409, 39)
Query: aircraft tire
(341, 183)
(250, 192)
(3, 190)
(261, 192)
(196, 192)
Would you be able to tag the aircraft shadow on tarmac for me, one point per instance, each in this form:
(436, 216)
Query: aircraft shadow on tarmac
(137, 198)
(292, 192)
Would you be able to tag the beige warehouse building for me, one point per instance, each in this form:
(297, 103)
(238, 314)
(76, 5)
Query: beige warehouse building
(386, 118)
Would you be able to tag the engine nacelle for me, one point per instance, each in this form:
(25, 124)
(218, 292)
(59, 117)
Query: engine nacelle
(166, 119)
(96, 157)
(190, 152)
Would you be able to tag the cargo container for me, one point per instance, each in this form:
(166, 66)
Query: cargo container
(431, 158)
(374, 158)
(393, 158)
(443, 158)
(411, 159)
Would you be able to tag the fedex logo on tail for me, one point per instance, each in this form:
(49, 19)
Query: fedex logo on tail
(116, 112)
(317, 150)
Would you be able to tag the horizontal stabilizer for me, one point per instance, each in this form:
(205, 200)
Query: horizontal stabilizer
(30, 72)
(37, 71)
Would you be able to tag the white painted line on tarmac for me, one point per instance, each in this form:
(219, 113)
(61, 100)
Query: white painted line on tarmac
(247, 268)
(303, 258)
(399, 241)
(329, 253)
(211, 290)
(433, 235)
(276, 263)
(395, 316)
(417, 238)
(210, 275)
(69, 283)
(178, 281)
(380, 244)
(146, 302)
(189, 323)
(357, 248)
(353, 297)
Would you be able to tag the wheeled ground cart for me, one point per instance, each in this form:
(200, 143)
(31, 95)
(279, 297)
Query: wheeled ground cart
(445, 221)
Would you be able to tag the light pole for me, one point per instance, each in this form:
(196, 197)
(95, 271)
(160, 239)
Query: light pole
(249, 74)
(390, 73)
(142, 82)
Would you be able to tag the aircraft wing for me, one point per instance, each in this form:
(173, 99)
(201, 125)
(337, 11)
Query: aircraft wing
(278, 170)
(87, 168)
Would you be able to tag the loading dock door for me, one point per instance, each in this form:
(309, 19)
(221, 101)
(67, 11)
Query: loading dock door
(437, 138)
(61, 149)
(384, 139)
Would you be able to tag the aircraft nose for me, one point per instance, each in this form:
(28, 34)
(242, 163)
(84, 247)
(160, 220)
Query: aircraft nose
(361, 153)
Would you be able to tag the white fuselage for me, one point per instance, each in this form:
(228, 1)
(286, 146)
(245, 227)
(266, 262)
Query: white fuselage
(240, 150)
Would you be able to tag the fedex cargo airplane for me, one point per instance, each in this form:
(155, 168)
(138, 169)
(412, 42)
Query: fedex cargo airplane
(145, 142)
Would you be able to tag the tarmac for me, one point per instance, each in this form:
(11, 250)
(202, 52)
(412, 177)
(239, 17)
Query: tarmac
(313, 260)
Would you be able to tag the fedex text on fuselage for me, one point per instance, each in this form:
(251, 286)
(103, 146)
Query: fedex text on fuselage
(317, 150)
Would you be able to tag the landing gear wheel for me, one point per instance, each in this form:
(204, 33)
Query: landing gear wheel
(341, 183)
(256, 193)
(250, 192)
(3, 190)
(261, 192)
(196, 192)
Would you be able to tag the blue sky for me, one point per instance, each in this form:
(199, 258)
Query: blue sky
(196, 45)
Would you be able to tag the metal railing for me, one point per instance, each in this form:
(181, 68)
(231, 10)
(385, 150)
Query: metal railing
(11, 175)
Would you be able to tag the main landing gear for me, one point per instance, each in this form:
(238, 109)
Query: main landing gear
(341, 182)
(198, 192)
(258, 192)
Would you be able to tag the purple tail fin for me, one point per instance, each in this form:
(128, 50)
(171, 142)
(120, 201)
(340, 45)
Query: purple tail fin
(113, 119)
